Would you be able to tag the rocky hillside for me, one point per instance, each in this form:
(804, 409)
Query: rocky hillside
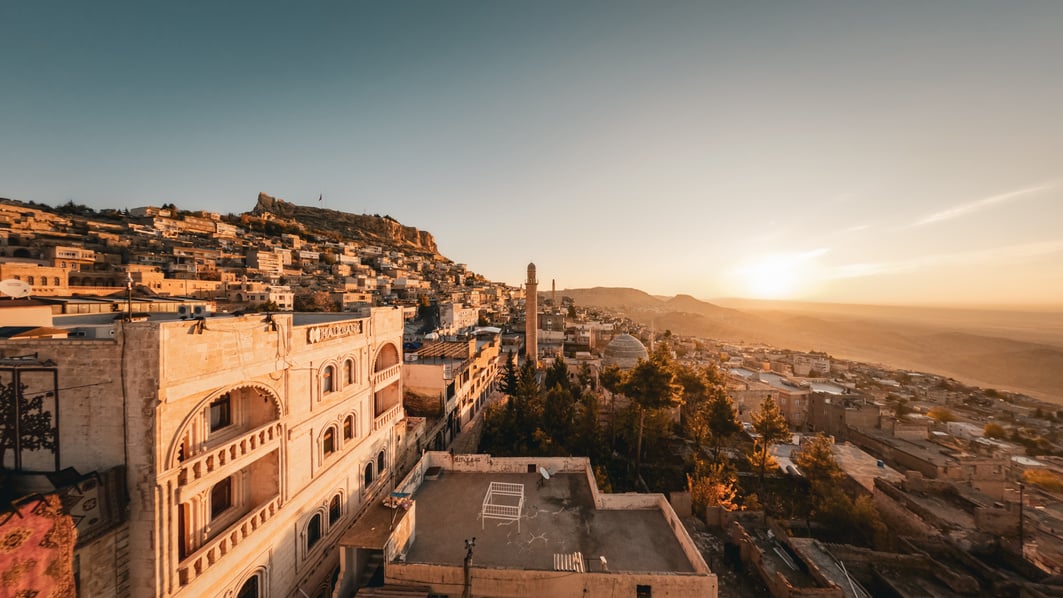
(361, 227)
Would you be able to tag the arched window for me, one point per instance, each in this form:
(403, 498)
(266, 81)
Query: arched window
(334, 510)
(326, 380)
(249, 589)
(313, 531)
(368, 474)
(221, 497)
(380, 462)
(348, 371)
(328, 442)
(55, 279)
(220, 413)
(348, 427)
(29, 279)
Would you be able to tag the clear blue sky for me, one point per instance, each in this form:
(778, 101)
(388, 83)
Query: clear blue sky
(897, 152)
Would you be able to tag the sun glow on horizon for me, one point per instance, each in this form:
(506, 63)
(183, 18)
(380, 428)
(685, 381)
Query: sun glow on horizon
(779, 275)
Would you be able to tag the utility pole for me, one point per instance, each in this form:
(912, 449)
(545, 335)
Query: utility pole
(1022, 543)
(467, 592)
(129, 295)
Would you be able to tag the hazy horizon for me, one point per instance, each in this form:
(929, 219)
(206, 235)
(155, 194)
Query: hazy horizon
(880, 154)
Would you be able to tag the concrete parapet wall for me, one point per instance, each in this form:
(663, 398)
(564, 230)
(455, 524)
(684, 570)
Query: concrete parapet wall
(901, 511)
(517, 583)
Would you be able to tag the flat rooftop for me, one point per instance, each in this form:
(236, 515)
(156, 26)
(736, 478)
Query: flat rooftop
(557, 518)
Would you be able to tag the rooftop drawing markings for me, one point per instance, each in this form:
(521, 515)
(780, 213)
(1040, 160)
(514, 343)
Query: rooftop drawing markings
(558, 517)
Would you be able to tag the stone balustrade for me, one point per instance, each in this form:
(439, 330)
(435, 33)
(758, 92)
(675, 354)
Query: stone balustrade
(386, 376)
(197, 471)
(388, 417)
(196, 563)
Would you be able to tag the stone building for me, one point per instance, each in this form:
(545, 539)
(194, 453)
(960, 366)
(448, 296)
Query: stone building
(531, 534)
(448, 382)
(624, 351)
(531, 316)
(249, 443)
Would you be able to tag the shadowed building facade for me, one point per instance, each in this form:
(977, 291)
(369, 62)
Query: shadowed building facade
(249, 443)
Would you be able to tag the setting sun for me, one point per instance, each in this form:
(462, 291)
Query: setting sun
(777, 275)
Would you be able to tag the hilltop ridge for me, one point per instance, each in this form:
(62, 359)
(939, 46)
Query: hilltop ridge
(360, 227)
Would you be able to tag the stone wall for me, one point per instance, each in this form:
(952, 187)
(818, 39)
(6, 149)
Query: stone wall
(513, 583)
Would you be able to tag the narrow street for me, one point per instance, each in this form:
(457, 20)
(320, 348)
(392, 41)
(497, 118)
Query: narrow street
(469, 439)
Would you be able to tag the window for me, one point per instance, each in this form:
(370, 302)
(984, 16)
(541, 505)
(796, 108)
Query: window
(313, 532)
(348, 427)
(29, 279)
(328, 442)
(380, 461)
(326, 380)
(221, 497)
(643, 591)
(334, 510)
(55, 280)
(249, 589)
(368, 474)
(220, 413)
(348, 371)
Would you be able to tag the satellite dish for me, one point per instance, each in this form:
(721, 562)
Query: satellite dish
(545, 473)
(14, 288)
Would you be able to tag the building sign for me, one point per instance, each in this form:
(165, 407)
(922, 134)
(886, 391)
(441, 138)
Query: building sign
(327, 332)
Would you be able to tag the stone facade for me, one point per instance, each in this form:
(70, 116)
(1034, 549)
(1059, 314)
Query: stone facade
(250, 442)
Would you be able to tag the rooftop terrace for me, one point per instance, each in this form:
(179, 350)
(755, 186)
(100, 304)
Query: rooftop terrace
(557, 518)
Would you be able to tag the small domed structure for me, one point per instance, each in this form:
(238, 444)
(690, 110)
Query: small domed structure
(624, 351)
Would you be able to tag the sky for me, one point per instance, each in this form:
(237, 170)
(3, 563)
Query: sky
(902, 152)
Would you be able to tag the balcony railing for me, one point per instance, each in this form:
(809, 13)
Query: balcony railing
(242, 449)
(386, 418)
(196, 563)
(386, 375)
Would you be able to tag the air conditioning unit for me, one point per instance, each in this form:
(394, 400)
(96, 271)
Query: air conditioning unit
(201, 311)
(183, 310)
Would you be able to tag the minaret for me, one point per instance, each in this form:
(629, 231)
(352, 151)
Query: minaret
(531, 316)
(553, 292)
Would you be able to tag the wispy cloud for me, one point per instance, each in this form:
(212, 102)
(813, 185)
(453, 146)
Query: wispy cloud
(1009, 253)
(857, 228)
(980, 204)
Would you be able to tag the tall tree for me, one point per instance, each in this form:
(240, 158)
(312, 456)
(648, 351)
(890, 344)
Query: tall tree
(816, 460)
(611, 378)
(508, 383)
(694, 394)
(722, 418)
(557, 374)
(559, 408)
(650, 385)
(771, 427)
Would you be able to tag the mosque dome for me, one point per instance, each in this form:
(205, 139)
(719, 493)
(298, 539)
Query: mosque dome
(624, 351)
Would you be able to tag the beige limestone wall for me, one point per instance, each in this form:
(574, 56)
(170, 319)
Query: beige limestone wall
(101, 565)
(91, 414)
(503, 583)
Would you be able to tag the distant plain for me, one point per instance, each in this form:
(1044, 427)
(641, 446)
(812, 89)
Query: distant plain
(1018, 349)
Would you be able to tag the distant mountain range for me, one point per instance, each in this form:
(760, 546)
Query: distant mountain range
(1013, 350)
